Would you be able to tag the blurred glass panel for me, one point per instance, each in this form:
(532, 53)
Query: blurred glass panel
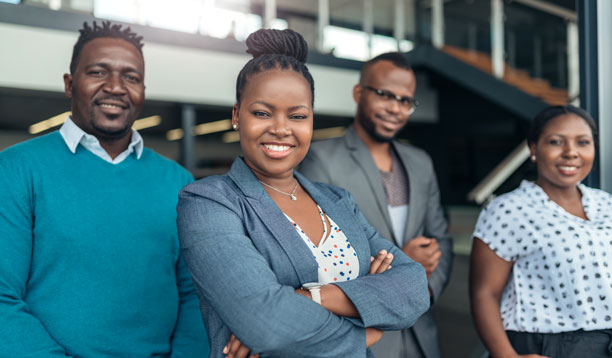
(346, 43)
(178, 15)
(11, 1)
(120, 10)
(224, 23)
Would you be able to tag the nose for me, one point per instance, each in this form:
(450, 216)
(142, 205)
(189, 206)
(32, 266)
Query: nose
(569, 150)
(114, 85)
(393, 106)
(280, 127)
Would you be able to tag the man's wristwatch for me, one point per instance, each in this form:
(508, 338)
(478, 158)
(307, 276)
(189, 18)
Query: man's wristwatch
(315, 290)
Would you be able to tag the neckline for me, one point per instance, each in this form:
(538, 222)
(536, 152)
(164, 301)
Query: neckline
(325, 230)
(546, 200)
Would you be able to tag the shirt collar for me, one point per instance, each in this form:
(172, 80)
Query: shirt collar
(73, 136)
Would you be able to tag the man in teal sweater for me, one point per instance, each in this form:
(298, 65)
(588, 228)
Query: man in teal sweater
(89, 254)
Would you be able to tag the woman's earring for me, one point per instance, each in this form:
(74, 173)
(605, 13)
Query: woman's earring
(235, 126)
(533, 158)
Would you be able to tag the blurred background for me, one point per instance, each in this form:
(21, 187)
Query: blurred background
(484, 69)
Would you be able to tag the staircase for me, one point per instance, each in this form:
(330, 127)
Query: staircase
(518, 78)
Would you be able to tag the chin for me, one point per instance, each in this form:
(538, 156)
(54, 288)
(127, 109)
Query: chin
(113, 131)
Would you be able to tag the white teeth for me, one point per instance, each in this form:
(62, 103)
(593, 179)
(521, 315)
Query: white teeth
(106, 105)
(567, 169)
(277, 148)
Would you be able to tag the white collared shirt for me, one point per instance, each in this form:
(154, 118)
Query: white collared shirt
(73, 136)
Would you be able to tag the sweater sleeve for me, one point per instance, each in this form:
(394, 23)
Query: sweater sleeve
(21, 333)
(394, 299)
(235, 279)
(189, 339)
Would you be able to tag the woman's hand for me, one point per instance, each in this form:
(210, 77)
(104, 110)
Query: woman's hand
(373, 335)
(235, 349)
(380, 263)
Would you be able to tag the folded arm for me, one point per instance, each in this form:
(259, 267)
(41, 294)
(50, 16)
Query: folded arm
(21, 333)
(237, 281)
(394, 299)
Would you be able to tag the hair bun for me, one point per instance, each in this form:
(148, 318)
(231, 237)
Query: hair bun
(277, 42)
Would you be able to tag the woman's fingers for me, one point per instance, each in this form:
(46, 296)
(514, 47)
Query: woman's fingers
(386, 263)
(235, 349)
(226, 349)
(381, 262)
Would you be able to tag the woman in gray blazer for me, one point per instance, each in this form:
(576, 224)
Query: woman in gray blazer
(283, 266)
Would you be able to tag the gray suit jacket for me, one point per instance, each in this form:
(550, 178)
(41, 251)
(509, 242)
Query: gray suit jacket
(347, 162)
(246, 260)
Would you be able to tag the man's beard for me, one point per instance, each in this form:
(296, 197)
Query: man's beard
(108, 134)
(370, 128)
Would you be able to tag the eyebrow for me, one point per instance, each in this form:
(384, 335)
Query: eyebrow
(273, 107)
(106, 66)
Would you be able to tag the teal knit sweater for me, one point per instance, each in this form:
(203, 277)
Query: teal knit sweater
(89, 256)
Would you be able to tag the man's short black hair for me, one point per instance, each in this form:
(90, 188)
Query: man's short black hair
(397, 58)
(107, 29)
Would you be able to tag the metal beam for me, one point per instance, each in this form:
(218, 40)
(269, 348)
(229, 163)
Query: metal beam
(322, 23)
(269, 13)
(573, 62)
(437, 23)
(589, 87)
(550, 9)
(368, 22)
(398, 22)
(188, 120)
(497, 37)
(604, 31)
(498, 176)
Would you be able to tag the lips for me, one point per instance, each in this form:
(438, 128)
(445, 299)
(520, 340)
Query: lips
(389, 123)
(568, 169)
(111, 106)
(277, 150)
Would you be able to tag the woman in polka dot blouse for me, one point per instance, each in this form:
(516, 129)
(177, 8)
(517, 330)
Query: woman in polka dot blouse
(544, 251)
(285, 267)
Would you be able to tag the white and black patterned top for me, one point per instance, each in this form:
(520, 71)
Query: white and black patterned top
(561, 278)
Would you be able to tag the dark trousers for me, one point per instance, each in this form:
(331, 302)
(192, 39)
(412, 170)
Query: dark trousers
(575, 344)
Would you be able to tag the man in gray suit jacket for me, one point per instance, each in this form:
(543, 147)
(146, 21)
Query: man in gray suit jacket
(394, 185)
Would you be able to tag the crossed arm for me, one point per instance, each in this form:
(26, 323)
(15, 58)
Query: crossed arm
(234, 278)
(333, 300)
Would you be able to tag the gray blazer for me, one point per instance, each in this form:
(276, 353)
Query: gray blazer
(246, 260)
(347, 163)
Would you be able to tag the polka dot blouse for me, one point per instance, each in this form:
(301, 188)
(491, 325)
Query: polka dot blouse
(336, 258)
(561, 278)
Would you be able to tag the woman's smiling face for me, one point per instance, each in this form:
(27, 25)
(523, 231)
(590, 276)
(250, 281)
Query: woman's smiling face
(274, 118)
(564, 152)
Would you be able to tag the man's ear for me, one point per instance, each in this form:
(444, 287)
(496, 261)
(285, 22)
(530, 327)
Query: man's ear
(357, 92)
(68, 85)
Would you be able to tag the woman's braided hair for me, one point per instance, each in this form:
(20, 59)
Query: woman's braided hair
(274, 49)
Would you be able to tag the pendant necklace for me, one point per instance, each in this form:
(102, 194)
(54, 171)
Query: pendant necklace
(292, 195)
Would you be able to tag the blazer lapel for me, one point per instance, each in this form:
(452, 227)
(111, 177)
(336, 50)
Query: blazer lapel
(363, 158)
(275, 221)
(342, 215)
(414, 202)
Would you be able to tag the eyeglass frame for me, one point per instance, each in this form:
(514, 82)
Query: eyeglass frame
(388, 95)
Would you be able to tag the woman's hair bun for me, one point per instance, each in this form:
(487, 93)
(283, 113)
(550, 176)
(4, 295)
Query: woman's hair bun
(277, 42)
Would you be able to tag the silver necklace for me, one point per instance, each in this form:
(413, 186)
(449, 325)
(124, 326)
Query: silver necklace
(292, 195)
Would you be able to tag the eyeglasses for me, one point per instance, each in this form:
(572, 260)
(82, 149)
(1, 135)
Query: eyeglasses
(406, 103)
